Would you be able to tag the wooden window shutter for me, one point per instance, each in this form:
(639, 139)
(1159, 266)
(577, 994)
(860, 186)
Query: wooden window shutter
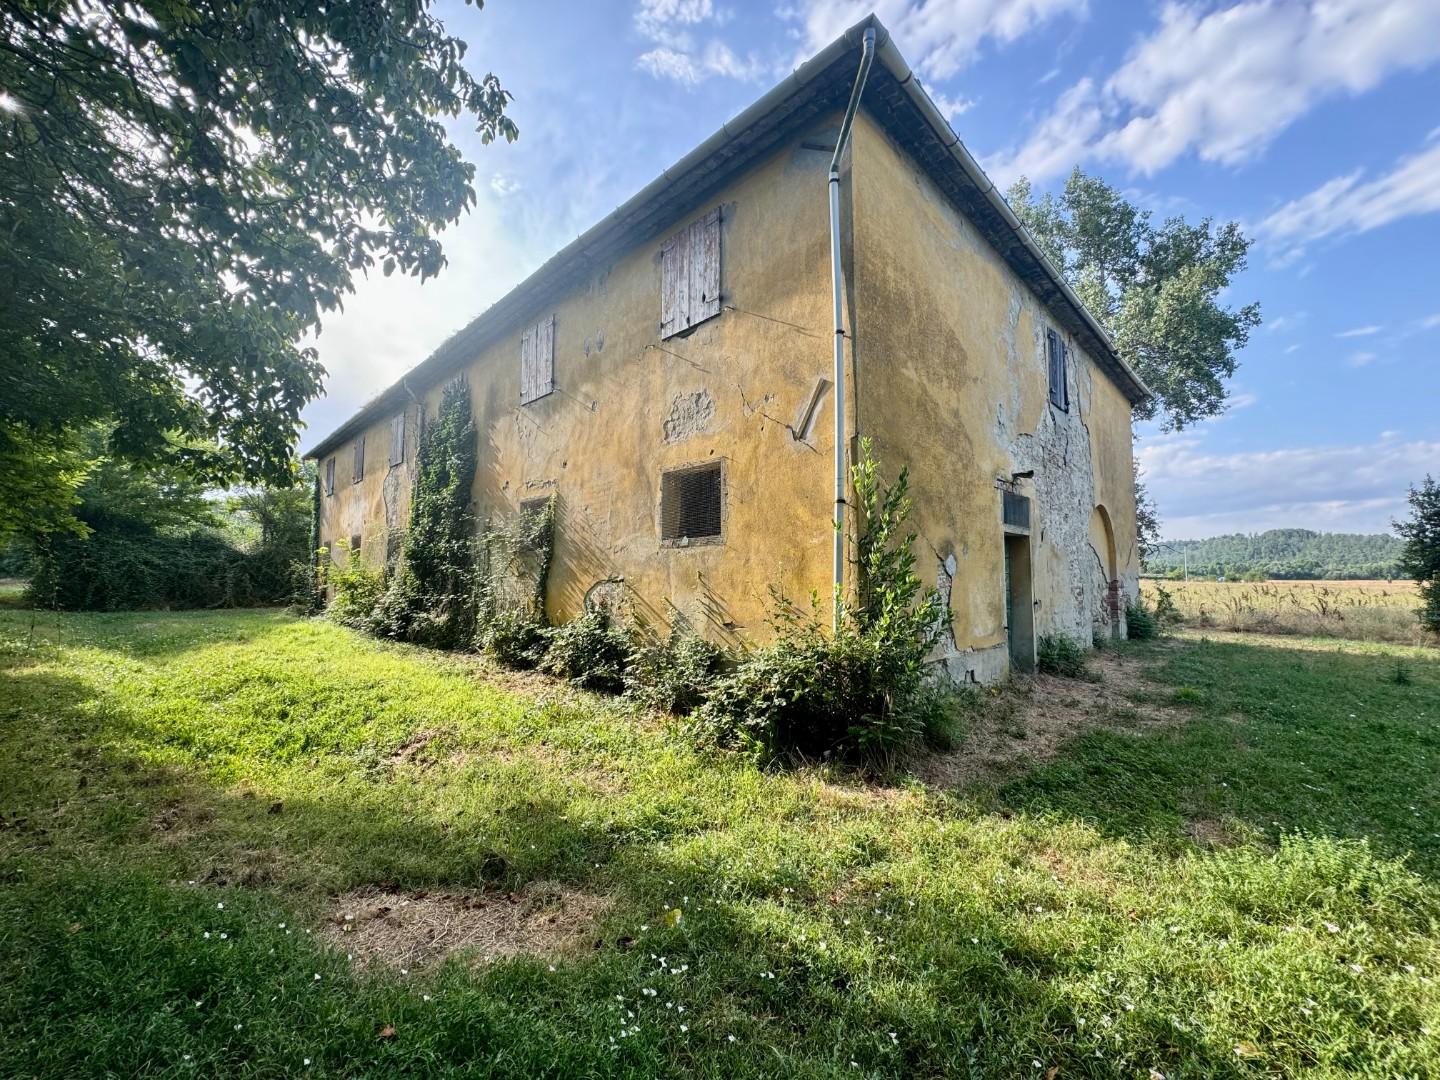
(675, 284)
(705, 268)
(537, 360)
(527, 365)
(690, 275)
(359, 472)
(330, 476)
(1055, 354)
(397, 438)
(545, 356)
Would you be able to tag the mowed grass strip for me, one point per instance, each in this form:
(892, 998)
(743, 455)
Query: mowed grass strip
(189, 800)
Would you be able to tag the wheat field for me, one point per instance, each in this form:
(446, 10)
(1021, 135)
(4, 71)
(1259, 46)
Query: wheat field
(1361, 610)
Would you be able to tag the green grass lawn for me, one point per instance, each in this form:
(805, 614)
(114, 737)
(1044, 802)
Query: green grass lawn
(1249, 889)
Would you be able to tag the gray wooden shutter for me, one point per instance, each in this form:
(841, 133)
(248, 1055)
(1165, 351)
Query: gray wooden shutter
(705, 267)
(537, 360)
(330, 476)
(359, 473)
(527, 365)
(545, 356)
(397, 438)
(1055, 356)
(675, 284)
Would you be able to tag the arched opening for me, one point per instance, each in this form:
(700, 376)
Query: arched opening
(1102, 542)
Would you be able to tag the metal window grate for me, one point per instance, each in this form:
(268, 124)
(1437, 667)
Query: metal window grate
(1015, 510)
(691, 504)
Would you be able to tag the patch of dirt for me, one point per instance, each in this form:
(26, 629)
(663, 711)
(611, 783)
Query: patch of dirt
(414, 747)
(419, 929)
(1210, 833)
(1028, 720)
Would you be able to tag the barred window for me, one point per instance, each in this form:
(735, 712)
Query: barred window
(692, 504)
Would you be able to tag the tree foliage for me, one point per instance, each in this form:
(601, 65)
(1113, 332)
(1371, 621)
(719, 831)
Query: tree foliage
(1284, 554)
(431, 597)
(153, 538)
(1155, 288)
(186, 186)
(1420, 558)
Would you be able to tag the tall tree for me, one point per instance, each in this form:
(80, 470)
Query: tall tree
(1156, 289)
(185, 187)
(1421, 556)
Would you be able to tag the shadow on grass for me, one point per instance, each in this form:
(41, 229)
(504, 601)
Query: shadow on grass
(1325, 741)
(816, 939)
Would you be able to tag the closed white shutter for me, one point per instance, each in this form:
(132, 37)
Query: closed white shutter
(690, 275)
(545, 356)
(527, 366)
(675, 284)
(705, 268)
(537, 360)
(397, 438)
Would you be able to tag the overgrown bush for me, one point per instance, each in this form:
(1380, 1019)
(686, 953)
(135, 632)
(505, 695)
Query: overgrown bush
(1056, 654)
(858, 692)
(590, 652)
(135, 571)
(431, 596)
(514, 637)
(674, 673)
(1140, 621)
(356, 589)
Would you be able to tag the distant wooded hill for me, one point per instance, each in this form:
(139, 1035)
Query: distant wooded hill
(1283, 553)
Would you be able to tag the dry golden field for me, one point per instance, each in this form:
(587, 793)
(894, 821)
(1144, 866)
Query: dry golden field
(1362, 610)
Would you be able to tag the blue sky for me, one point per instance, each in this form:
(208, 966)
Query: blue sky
(1316, 125)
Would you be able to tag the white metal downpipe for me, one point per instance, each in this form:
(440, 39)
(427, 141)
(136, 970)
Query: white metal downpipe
(867, 54)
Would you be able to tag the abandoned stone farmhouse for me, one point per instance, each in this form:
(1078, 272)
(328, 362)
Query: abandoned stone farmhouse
(671, 378)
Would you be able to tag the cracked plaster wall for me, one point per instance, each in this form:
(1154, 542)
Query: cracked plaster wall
(628, 406)
(952, 381)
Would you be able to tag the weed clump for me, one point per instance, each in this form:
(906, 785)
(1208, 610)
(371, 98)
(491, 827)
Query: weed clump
(1140, 622)
(514, 637)
(674, 674)
(860, 691)
(590, 652)
(1056, 654)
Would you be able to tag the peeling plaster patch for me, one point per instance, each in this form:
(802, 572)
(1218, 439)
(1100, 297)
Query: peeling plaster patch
(690, 414)
(391, 492)
(969, 666)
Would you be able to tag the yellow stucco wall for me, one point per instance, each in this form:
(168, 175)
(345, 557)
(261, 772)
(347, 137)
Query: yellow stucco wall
(600, 441)
(949, 377)
(952, 381)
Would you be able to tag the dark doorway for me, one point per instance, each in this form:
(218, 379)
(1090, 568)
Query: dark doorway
(1019, 603)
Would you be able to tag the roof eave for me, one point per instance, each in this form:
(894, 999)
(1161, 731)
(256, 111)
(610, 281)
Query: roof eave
(595, 244)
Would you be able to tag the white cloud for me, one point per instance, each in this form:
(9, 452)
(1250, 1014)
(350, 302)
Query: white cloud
(504, 186)
(951, 108)
(1241, 401)
(940, 37)
(1291, 348)
(1430, 322)
(1345, 488)
(1360, 331)
(1222, 83)
(1361, 359)
(1286, 322)
(671, 25)
(694, 66)
(1346, 205)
